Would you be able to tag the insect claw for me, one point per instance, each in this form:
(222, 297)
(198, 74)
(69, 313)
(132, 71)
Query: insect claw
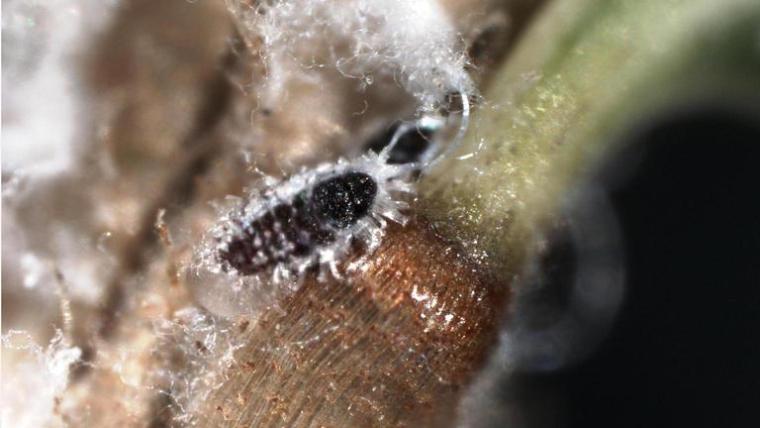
(335, 271)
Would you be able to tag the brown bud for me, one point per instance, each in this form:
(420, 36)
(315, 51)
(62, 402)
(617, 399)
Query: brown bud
(391, 345)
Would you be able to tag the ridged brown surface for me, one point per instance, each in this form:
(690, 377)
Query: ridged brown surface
(391, 346)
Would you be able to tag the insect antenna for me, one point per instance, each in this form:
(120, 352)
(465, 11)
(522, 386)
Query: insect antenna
(402, 129)
(424, 126)
(464, 124)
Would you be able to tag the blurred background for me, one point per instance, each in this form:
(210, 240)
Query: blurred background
(681, 348)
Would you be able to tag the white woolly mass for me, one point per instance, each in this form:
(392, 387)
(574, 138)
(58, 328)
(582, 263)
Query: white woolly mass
(41, 40)
(33, 379)
(207, 273)
(44, 42)
(412, 41)
(208, 345)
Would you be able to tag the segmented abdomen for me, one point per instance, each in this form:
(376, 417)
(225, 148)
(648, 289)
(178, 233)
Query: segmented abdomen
(286, 231)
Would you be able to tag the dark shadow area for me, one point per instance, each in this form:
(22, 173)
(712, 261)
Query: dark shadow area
(685, 348)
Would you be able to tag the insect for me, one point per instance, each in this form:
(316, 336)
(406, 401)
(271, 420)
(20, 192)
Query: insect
(317, 217)
(313, 218)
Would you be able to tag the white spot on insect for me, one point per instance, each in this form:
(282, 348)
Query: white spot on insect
(419, 297)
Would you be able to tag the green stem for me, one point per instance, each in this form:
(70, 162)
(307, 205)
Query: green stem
(583, 75)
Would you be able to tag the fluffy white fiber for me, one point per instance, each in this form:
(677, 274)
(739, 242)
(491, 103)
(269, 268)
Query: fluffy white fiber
(31, 371)
(411, 41)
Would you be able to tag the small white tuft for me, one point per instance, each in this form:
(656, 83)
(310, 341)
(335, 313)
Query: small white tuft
(30, 370)
(413, 42)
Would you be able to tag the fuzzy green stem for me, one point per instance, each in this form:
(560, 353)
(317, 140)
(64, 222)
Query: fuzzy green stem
(583, 75)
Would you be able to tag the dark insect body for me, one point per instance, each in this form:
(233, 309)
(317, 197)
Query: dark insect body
(313, 219)
(290, 231)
